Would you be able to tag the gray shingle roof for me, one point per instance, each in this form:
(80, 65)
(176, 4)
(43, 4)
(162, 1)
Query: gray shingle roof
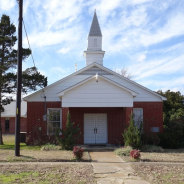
(95, 27)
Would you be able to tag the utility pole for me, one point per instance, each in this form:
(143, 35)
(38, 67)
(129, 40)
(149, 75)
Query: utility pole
(19, 81)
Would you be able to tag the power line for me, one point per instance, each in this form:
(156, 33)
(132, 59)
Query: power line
(28, 42)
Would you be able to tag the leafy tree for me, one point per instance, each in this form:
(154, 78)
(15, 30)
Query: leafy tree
(31, 78)
(69, 134)
(132, 136)
(173, 107)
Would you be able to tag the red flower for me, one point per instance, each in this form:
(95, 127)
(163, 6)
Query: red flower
(135, 154)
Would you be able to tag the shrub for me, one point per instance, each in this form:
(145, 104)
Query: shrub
(150, 138)
(132, 136)
(135, 154)
(123, 151)
(50, 147)
(69, 135)
(78, 152)
(173, 134)
(152, 148)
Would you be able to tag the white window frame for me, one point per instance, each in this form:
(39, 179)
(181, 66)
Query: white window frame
(48, 118)
(140, 118)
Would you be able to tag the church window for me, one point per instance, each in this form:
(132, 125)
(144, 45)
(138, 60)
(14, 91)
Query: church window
(54, 120)
(7, 124)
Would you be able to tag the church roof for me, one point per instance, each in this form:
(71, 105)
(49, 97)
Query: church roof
(95, 27)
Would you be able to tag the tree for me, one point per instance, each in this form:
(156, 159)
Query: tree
(173, 107)
(69, 134)
(124, 72)
(132, 136)
(31, 78)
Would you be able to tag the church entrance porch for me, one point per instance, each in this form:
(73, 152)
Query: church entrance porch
(95, 128)
(98, 125)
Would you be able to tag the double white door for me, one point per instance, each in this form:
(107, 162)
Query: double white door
(95, 128)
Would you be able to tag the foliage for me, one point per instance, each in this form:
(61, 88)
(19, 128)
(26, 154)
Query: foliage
(173, 134)
(69, 134)
(31, 78)
(152, 148)
(173, 107)
(173, 112)
(50, 147)
(78, 152)
(123, 151)
(135, 154)
(132, 136)
(150, 138)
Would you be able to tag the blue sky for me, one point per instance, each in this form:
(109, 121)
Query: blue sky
(145, 36)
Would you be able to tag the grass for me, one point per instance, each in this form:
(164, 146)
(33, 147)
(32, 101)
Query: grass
(34, 153)
(9, 144)
(156, 174)
(20, 177)
(71, 174)
(154, 154)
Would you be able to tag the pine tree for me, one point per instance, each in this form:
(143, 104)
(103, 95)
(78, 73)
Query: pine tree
(132, 136)
(69, 135)
(31, 78)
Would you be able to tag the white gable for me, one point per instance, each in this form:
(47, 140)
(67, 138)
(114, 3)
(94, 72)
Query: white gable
(97, 94)
(51, 91)
(143, 96)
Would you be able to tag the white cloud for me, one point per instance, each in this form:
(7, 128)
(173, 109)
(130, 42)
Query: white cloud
(7, 4)
(49, 38)
(60, 70)
(166, 32)
(141, 57)
(173, 84)
(63, 50)
(164, 66)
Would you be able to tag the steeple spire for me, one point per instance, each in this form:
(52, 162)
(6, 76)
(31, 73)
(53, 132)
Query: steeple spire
(95, 27)
(94, 52)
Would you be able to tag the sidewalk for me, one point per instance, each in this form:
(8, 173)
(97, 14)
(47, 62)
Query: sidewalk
(111, 169)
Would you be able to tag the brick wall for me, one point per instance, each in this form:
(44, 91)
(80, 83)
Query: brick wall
(23, 125)
(117, 118)
(115, 121)
(152, 114)
(35, 112)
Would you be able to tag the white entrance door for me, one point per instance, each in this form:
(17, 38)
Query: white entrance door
(95, 128)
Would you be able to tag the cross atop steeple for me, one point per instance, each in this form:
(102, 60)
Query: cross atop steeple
(95, 27)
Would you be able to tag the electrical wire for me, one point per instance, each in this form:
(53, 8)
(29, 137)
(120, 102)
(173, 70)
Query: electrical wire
(28, 42)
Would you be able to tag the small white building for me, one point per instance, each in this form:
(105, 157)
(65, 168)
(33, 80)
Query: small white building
(9, 115)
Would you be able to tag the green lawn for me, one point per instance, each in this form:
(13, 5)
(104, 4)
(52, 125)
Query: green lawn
(9, 144)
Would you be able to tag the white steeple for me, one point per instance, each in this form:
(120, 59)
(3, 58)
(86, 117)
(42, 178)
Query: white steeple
(94, 52)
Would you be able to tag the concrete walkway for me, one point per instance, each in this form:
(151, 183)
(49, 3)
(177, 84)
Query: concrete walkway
(111, 169)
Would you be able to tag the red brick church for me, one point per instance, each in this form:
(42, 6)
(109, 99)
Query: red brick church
(98, 99)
